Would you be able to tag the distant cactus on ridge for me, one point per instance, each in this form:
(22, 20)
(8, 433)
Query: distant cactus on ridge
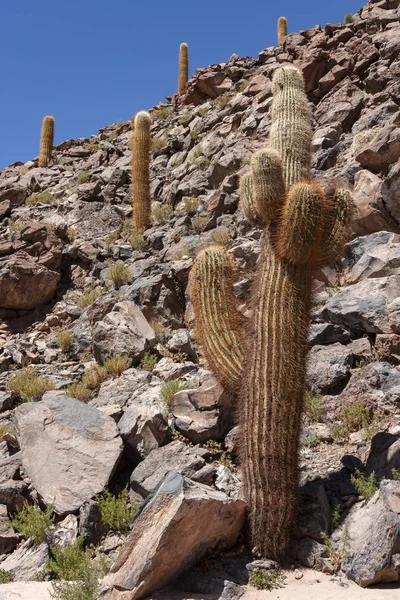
(141, 146)
(183, 68)
(46, 141)
(282, 29)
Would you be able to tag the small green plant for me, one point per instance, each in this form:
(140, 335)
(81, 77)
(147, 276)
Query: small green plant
(5, 429)
(203, 163)
(137, 241)
(65, 341)
(163, 112)
(31, 522)
(148, 361)
(220, 236)
(28, 385)
(68, 563)
(71, 234)
(266, 580)
(221, 101)
(190, 205)
(396, 474)
(313, 406)
(94, 377)
(353, 417)
(242, 86)
(196, 153)
(40, 198)
(85, 575)
(203, 110)
(79, 391)
(83, 178)
(90, 295)
(365, 486)
(161, 214)
(348, 18)
(119, 274)
(335, 516)
(6, 576)
(16, 227)
(117, 365)
(116, 511)
(92, 147)
(244, 162)
(337, 553)
(177, 163)
(170, 388)
(199, 223)
(195, 132)
(226, 461)
(158, 327)
(158, 143)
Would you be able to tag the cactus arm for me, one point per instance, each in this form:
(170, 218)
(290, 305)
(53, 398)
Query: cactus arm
(337, 226)
(268, 183)
(246, 203)
(141, 144)
(218, 322)
(46, 141)
(183, 68)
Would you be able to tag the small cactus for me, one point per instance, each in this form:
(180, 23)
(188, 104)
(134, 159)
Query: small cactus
(183, 68)
(141, 145)
(46, 141)
(282, 30)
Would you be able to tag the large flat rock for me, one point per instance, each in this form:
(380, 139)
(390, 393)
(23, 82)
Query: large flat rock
(69, 449)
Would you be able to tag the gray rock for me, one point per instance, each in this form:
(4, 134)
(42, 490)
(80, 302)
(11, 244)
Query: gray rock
(327, 333)
(91, 527)
(374, 255)
(144, 424)
(174, 529)
(63, 533)
(69, 449)
(384, 455)
(176, 456)
(124, 330)
(371, 306)
(309, 552)
(123, 390)
(181, 342)
(371, 536)
(328, 369)
(8, 537)
(26, 560)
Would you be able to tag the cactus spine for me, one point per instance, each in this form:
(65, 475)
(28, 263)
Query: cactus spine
(282, 30)
(141, 146)
(303, 227)
(46, 141)
(183, 68)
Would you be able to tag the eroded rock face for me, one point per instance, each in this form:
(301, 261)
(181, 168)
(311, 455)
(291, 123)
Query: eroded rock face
(372, 532)
(175, 528)
(69, 449)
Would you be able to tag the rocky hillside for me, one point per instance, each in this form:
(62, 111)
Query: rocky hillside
(102, 384)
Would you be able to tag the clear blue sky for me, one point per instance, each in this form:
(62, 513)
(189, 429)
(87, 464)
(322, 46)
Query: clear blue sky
(95, 62)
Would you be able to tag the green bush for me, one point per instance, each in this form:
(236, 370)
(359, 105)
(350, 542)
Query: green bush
(396, 474)
(90, 295)
(221, 101)
(4, 429)
(190, 205)
(79, 391)
(69, 563)
(65, 341)
(266, 580)
(348, 18)
(40, 198)
(148, 361)
(158, 143)
(163, 112)
(117, 364)
(28, 385)
(94, 377)
(170, 388)
(32, 522)
(6, 576)
(220, 236)
(365, 486)
(83, 178)
(161, 214)
(84, 585)
(313, 406)
(137, 241)
(119, 274)
(116, 511)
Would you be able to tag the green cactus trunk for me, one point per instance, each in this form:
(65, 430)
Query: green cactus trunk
(141, 145)
(46, 141)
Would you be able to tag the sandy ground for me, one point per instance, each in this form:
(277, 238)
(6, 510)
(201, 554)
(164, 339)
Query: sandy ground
(311, 586)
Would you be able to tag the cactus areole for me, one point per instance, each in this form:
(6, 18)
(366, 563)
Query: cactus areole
(304, 227)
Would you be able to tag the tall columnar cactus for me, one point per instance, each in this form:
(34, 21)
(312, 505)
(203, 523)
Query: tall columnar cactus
(183, 68)
(282, 29)
(304, 227)
(141, 146)
(46, 141)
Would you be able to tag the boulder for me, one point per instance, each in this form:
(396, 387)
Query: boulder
(370, 306)
(370, 535)
(124, 330)
(176, 456)
(326, 333)
(371, 208)
(175, 528)
(25, 283)
(26, 560)
(370, 256)
(69, 449)
(383, 151)
(8, 537)
(384, 456)
(123, 390)
(144, 424)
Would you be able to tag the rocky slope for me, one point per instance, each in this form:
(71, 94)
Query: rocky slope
(69, 262)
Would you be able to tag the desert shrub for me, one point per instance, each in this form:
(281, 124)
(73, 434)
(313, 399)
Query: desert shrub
(199, 222)
(71, 234)
(158, 143)
(31, 522)
(40, 198)
(5, 429)
(90, 295)
(158, 326)
(148, 361)
(365, 486)
(137, 241)
(94, 376)
(116, 511)
(348, 18)
(79, 391)
(203, 110)
(83, 178)
(6, 576)
(119, 274)
(313, 406)
(266, 580)
(190, 205)
(353, 417)
(163, 112)
(64, 341)
(242, 86)
(170, 388)
(68, 563)
(117, 364)
(161, 214)
(81, 575)
(220, 236)
(28, 385)
(221, 101)
(195, 132)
